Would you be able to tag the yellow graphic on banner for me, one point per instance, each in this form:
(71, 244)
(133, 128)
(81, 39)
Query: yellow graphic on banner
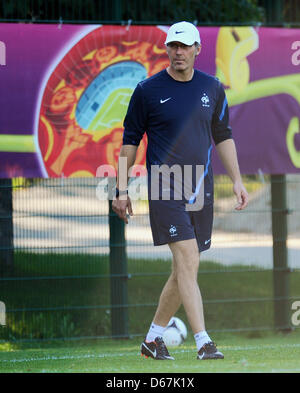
(293, 129)
(233, 47)
(234, 44)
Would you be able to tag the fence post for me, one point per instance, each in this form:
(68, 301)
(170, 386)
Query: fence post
(118, 276)
(280, 258)
(117, 10)
(274, 11)
(6, 227)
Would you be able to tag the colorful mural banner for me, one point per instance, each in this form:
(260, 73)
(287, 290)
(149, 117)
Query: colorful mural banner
(65, 91)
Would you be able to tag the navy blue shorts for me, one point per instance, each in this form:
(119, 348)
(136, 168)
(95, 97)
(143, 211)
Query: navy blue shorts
(171, 222)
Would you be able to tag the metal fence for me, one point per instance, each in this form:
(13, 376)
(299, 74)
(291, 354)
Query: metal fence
(213, 12)
(69, 277)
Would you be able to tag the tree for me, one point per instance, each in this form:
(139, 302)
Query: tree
(139, 11)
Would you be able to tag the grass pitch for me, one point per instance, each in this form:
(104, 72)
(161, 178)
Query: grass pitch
(277, 353)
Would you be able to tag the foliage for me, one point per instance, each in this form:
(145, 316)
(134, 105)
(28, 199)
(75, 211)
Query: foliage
(59, 296)
(146, 11)
(202, 12)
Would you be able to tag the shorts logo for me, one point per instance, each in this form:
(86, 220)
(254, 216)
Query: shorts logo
(205, 100)
(173, 231)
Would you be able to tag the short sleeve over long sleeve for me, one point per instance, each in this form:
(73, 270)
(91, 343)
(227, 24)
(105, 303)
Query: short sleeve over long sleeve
(135, 122)
(220, 121)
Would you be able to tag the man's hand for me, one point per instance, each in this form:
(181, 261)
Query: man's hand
(121, 206)
(228, 156)
(241, 195)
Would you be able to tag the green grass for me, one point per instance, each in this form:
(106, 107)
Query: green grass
(264, 354)
(75, 284)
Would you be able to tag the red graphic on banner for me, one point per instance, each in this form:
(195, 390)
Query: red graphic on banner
(86, 97)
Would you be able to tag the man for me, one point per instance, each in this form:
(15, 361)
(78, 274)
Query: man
(181, 110)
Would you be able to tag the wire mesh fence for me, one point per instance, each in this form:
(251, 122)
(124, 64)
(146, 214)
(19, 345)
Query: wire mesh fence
(58, 284)
(213, 12)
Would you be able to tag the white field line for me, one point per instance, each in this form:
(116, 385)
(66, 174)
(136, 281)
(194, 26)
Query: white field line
(112, 355)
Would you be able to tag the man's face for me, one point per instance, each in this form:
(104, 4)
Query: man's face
(182, 57)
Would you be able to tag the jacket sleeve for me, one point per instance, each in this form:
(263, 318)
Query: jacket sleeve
(135, 122)
(220, 121)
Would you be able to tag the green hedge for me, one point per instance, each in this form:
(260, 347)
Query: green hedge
(69, 296)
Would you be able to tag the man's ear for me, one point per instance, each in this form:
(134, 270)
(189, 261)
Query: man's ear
(198, 50)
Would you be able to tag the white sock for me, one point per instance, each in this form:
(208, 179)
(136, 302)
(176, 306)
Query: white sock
(155, 331)
(201, 338)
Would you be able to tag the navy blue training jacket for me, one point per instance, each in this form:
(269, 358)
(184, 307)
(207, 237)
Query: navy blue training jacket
(180, 118)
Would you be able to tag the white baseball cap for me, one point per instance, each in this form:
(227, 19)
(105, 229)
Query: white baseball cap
(184, 32)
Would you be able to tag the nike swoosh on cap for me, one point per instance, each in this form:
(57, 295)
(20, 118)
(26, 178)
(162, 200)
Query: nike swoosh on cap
(179, 32)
